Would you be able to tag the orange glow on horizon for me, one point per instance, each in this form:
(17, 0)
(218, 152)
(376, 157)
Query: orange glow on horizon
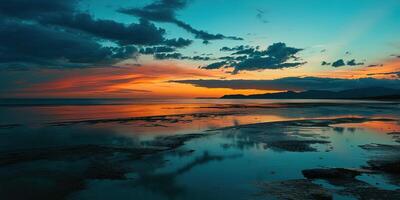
(154, 80)
(151, 81)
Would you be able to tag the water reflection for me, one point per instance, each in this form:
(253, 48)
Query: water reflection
(103, 151)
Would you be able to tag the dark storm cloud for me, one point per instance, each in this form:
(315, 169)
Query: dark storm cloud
(165, 11)
(276, 56)
(23, 44)
(296, 83)
(56, 33)
(338, 63)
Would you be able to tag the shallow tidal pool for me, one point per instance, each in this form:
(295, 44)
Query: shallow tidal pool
(229, 150)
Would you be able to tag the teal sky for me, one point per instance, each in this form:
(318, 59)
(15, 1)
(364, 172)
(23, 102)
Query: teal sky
(85, 48)
(368, 29)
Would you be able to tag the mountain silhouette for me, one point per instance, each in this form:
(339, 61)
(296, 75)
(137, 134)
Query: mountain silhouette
(359, 93)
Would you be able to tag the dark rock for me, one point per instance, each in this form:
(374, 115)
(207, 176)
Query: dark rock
(395, 136)
(101, 169)
(388, 166)
(381, 147)
(388, 161)
(362, 190)
(171, 119)
(345, 178)
(298, 189)
(77, 151)
(293, 136)
(331, 173)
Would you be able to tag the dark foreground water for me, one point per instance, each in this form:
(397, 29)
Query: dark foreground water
(198, 149)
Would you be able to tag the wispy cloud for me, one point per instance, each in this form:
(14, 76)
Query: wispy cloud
(165, 11)
(103, 82)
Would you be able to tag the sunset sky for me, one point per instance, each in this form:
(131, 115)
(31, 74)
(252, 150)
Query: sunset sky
(195, 48)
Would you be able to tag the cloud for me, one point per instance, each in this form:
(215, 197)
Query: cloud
(325, 63)
(48, 33)
(52, 33)
(215, 65)
(163, 56)
(248, 51)
(142, 33)
(94, 82)
(158, 49)
(179, 56)
(180, 42)
(276, 56)
(375, 65)
(354, 63)
(237, 48)
(26, 9)
(263, 63)
(295, 83)
(338, 63)
(260, 16)
(233, 58)
(165, 11)
(64, 14)
(200, 58)
(341, 63)
(394, 74)
(28, 44)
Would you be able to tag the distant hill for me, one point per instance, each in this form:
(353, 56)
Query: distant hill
(388, 97)
(360, 93)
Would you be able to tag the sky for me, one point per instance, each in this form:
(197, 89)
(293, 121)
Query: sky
(195, 48)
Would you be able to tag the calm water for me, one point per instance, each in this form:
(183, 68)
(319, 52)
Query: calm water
(225, 164)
